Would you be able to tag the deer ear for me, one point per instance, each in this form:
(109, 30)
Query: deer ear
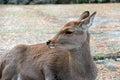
(87, 22)
(84, 15)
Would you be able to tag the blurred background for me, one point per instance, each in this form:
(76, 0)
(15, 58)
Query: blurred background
(36, 21)
(55, 1)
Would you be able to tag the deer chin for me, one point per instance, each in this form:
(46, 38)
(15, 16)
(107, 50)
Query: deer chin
(67, 47)
(63, 46)
(52, 46)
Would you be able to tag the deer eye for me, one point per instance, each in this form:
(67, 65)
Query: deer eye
(68, 32)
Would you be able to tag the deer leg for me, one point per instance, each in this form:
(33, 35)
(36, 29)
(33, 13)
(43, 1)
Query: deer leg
(8, 72)
(48, 73)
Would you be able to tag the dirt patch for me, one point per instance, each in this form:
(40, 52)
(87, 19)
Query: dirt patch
(106, 74)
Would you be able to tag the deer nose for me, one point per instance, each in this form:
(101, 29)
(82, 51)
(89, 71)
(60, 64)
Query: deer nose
(48, 42)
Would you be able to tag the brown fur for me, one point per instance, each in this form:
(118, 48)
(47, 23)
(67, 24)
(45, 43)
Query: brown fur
(59, 62)
(38, 57)
(40, 62)
(8, 64)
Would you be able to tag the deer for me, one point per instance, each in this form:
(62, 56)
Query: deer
(8, 65)
(66, 56)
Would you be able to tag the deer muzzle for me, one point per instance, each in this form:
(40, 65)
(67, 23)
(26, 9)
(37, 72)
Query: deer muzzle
(50, 44)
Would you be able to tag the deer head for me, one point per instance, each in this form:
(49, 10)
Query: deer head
(73, 34)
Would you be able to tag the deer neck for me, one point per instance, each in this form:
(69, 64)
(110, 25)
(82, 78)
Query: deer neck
(80, 59)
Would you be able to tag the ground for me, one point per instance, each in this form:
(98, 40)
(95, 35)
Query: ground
(108, 74)
(30, 24)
